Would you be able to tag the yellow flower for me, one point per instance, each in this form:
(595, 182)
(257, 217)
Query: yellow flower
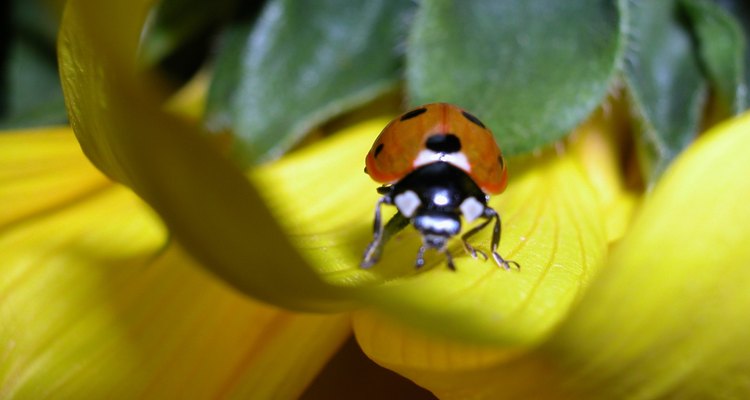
(98, 301)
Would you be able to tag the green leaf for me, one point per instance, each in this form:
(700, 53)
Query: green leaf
(307, 61)
(722, 50)
(226, 76)
(740, 11)
(531, 70)
(665, 82)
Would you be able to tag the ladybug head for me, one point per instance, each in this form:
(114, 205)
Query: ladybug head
(436, 227)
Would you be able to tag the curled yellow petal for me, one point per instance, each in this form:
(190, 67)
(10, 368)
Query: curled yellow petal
(93, 306)
(203, 198)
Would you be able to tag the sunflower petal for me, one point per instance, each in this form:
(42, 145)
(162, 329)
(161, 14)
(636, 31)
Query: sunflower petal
(93, 306)
(553, 227)
(598, 143)
(40, 170)
(668, 317)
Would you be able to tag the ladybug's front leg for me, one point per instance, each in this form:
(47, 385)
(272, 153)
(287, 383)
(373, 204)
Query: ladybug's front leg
(465, 239)
(496, 230)
(382, 234)
(489, 215)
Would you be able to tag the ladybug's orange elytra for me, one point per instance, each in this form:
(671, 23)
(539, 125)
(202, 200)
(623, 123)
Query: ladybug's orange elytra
(459, 138)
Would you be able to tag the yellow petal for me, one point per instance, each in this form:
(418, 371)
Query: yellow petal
(666, 318)
(190, 101)
(203, 198)
(43, 171)
(92, 306)
(599, 146)
(552, 226)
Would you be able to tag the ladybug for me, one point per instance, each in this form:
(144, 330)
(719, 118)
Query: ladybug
(437, 163)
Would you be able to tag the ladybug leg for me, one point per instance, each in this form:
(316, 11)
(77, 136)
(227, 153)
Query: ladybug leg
(449, 259)
(469, 248)
(489, 213)
(375, 248)
(381, 234)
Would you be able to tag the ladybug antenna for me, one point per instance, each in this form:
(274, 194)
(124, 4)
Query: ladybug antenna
(444, 249)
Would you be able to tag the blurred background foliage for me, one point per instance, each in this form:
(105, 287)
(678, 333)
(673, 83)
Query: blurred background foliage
(30, 93)
(531, 70)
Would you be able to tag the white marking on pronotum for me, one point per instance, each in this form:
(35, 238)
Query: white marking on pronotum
(471, 209)
(440, 199)
(428, 156)
(407, 203)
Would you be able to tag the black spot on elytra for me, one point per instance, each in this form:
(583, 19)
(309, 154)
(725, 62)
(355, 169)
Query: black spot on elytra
(473, 119)
(444, 143)
(501, 161)
(413, 113)
(378, 150)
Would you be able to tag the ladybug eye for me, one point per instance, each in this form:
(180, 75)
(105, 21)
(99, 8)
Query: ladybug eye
(473, 119)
